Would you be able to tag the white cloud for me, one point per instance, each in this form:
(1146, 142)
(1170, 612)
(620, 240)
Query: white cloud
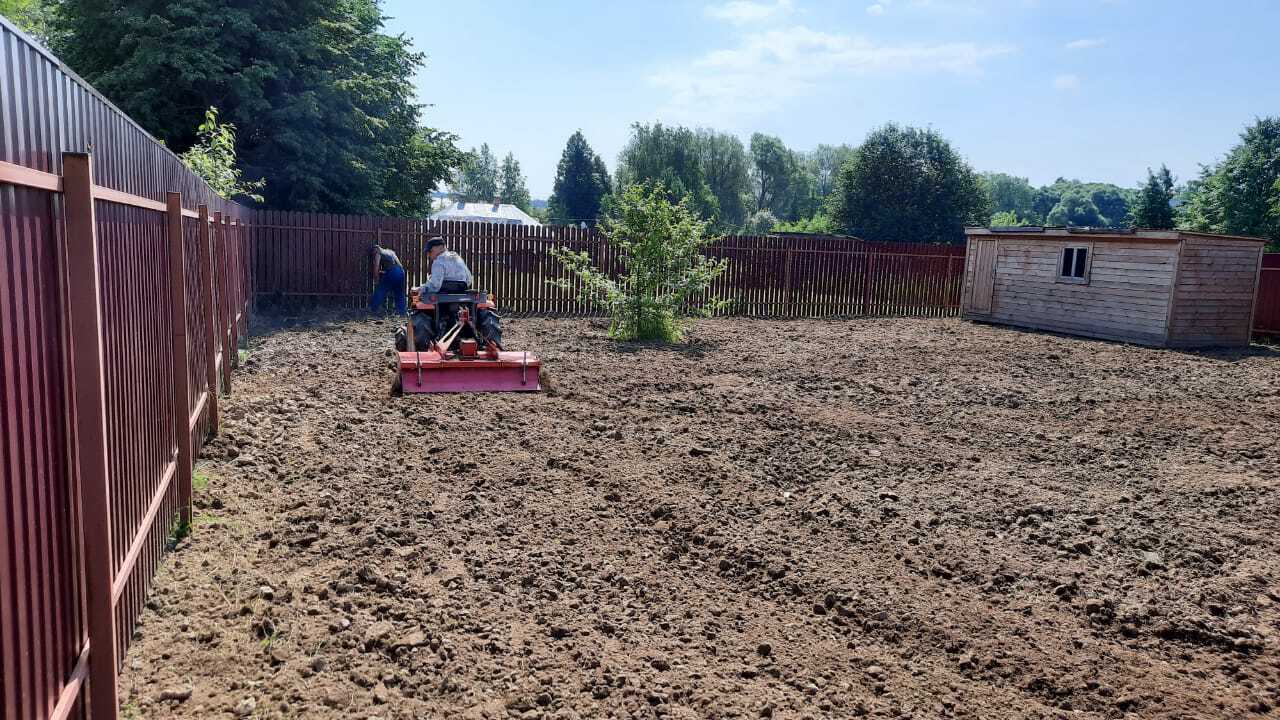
(742, 12)
(1086, 44)
(767, 68)
(875, 10)
(1067, 81)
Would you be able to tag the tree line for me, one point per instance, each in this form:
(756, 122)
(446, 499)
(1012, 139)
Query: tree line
(909, 184)
(1239, 195)
(309, 105)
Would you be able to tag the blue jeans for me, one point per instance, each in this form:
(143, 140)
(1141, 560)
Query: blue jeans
(392, 281)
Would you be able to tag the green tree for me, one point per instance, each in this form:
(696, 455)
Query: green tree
(322, 97)
(803, 198)
(429, 156)
(1112, 202)
(1238, 196)
(824, 165)
(33, 16)
(213, 158)
(476, 179)
(511, 185)
(665, 276)
(773, 170)
(1011, 194)
(1076, 209)
(1043, 202)
(726, 169)
(668, 157)
(1198, 207)
(582, 182)
(1153, 208)
(908, 184)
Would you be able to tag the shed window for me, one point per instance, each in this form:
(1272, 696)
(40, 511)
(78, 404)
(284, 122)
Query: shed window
(1075, 264)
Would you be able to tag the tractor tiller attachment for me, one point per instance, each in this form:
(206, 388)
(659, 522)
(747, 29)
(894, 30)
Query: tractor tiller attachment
(467, 357)
(427, 372)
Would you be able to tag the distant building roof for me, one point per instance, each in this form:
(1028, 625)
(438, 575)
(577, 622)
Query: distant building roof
(484, 212)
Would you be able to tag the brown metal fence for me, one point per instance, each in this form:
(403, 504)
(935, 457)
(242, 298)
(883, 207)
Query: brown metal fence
(314, 257)
(121, 303)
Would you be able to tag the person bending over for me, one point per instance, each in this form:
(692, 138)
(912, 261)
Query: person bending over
(389, 274)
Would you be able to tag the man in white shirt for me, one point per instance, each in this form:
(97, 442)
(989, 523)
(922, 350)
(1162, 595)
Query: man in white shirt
(449, 274)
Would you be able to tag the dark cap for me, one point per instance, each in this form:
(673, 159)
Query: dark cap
(434, 243)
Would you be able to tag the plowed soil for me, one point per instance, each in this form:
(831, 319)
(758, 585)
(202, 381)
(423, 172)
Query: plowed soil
(890, 518)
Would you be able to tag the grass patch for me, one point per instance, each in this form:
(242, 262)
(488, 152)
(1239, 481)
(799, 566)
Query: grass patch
(243, 355)
(199, 481)
(271, 638)
(204, 518)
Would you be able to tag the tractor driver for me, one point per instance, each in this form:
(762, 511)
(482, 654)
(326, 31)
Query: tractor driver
(449, 274)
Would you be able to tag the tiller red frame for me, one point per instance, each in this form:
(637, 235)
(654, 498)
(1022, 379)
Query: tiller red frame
(454, 363)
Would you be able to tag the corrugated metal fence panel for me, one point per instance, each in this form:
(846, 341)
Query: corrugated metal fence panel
(197, 329)
(138, 366)
(48, 110)
(42, 623)
(1266, 318)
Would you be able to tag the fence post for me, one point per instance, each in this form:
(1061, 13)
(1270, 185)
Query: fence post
(250, 291)
(210, 318)
(181, 363)
(224, 305)
(233, 283)
(88, 383)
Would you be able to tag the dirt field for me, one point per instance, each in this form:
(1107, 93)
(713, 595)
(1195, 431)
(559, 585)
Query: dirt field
(890, 518)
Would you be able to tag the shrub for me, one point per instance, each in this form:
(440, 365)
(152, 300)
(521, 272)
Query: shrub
(213, 158)
(761, 222)
(819, 224)
(665, 277)
(1007, 218)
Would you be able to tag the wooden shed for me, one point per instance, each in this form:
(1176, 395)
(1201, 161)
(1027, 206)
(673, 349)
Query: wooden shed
(1162, 288)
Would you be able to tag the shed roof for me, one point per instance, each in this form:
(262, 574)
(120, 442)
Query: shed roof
(484, 212)
(1103, 234)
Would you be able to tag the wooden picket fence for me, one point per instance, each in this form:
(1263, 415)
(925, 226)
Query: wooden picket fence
(1266, 316)
(305, 258)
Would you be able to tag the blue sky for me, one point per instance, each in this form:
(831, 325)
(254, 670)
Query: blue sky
(1088, 89)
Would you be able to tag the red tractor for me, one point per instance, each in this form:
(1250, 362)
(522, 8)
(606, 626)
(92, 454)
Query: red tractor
(453, 343)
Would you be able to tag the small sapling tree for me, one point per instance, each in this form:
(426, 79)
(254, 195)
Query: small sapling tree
(213, 158)
(665, 277)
